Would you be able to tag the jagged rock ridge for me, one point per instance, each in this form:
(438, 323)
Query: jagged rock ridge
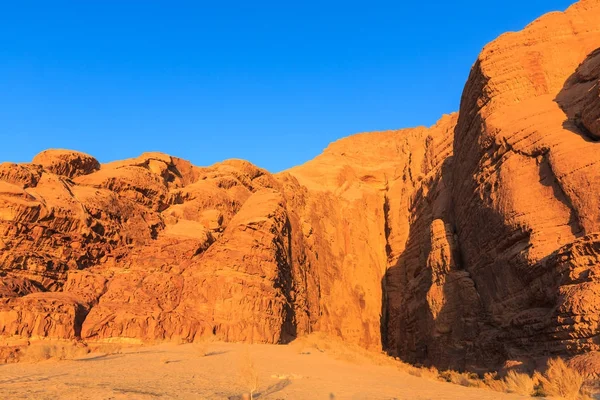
(463, 245)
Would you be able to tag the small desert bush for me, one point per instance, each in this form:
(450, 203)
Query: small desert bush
(53, 350)
(491, 381)
(460, 378)
(108, 348)
(427, 373)
(561, 381)
(519, 383)
(248, 373)
(201, 349)
(202, 345)
(513, 382)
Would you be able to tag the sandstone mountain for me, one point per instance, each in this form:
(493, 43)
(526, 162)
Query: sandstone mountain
(464, 245)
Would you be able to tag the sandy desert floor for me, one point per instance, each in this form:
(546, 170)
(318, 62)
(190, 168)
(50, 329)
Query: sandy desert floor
(171, 371)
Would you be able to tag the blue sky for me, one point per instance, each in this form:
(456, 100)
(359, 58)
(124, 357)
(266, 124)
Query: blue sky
(270, 82)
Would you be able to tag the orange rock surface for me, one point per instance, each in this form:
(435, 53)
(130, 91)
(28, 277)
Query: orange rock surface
(466, 245)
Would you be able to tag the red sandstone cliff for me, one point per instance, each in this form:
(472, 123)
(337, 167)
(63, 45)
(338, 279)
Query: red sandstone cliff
(466, 244)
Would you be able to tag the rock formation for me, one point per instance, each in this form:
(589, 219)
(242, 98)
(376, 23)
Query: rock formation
(464, 245)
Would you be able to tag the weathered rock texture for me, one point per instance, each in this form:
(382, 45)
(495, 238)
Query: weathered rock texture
(525, 190)
(463, 245)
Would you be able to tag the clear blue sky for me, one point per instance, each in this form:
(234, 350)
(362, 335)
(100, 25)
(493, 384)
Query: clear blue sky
(270, 82)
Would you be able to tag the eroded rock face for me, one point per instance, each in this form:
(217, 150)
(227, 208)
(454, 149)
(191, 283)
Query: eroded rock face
(66, 162)
(149, 248)
(580, 98)
(525, 180)
(472, 244)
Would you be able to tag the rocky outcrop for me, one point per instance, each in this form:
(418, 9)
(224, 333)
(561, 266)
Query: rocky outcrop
(66, 162)
(150, 248)
(524, 188)
(471, 244)
(580, 98)
(358, 217)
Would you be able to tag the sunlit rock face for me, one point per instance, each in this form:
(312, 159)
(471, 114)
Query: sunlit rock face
(462, 245)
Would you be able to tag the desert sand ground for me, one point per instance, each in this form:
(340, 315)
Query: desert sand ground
(171, 371)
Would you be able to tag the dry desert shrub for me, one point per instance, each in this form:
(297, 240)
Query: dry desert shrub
(53, 350)
(202, 345)
(491, 381)
(519, 383)
(178, 340)
(108, 348)
(201, 349)
(561, 381)
(428, 373)
(460, 378)
(513, 382)
(248, 373)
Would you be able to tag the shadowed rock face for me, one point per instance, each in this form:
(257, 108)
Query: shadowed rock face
(465, 245)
